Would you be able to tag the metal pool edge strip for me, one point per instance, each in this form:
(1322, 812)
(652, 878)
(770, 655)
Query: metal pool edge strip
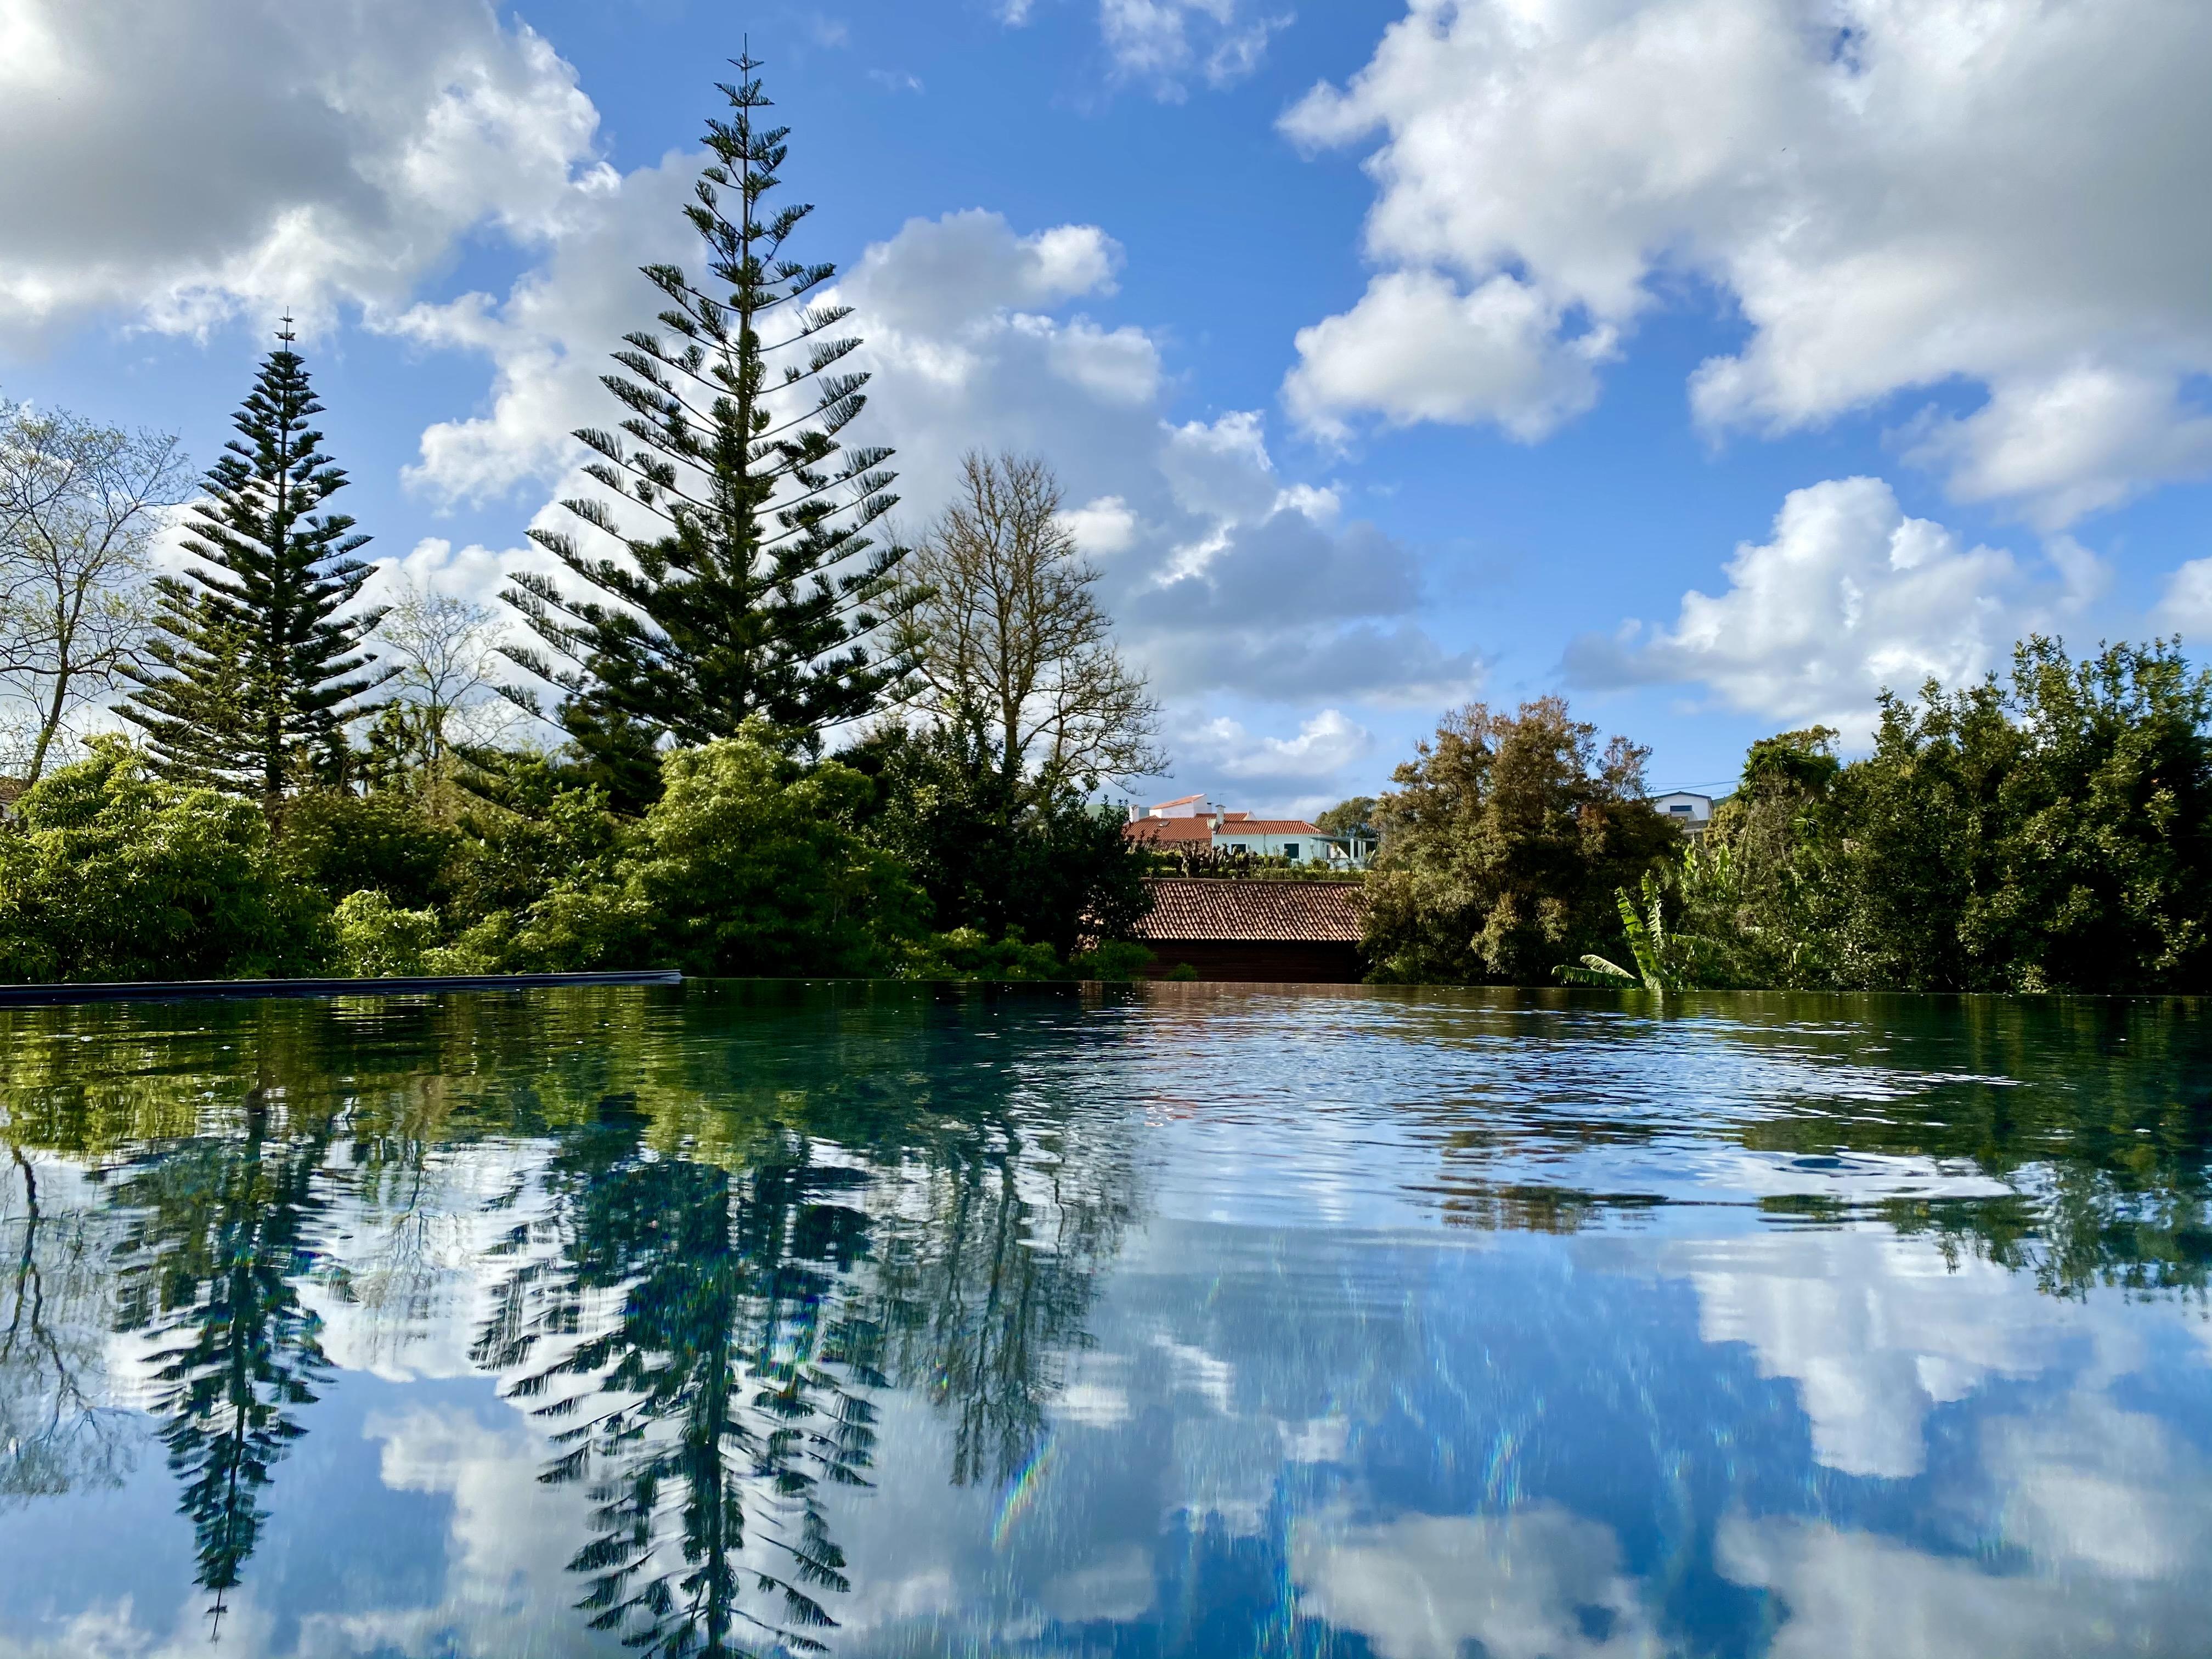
(173, 990)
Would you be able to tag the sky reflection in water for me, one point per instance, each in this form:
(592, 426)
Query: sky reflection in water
(1179, 1321)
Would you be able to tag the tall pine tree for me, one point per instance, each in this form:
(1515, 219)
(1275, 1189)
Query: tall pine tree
(258, 662)
(754, 587)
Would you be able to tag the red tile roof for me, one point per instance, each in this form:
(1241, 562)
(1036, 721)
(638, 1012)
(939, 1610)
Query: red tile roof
(1268, 827)
(1314, 911)
(1163, 832)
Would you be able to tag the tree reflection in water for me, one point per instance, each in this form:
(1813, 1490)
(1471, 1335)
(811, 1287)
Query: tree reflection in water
(707, 1336)
(744, 1217)
(221, 1235)
(702, 1304)
(56, 1435)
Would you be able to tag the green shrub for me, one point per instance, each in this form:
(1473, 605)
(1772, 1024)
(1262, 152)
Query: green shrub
(748, 863)
(340, 844)
(968, 953)
(107, 872)
(1114, 959)
(376, 939)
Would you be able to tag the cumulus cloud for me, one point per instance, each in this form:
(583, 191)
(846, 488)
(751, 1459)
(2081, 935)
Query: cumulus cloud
(1888, 195)
(1326, 746)
(1850, 594)
(160, 167)
(1415, 348)
(2186, 605)
(1224, 576)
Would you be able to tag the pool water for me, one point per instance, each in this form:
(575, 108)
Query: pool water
(1179, 1320)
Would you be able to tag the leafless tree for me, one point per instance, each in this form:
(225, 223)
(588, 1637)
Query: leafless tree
(1008, 634)
(447, 650)
(80, 505)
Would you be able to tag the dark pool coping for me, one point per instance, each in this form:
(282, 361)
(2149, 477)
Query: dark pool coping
(175, 990)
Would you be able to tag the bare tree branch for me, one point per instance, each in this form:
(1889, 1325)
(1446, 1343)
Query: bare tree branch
(80, 505)
(1008, 634)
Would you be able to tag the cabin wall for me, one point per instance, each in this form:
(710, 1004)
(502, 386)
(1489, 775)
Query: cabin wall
(1279, 961)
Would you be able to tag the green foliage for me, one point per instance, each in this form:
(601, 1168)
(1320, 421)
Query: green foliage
(258, 653)
(1353, 817)
(1666, 959)
(374, 939)
(1503, 844)
(1117, 961)
(753, 596)
(1000, 856)
(970, 953)
(748, 863)
(1182, 974)
(535, 826)
(339, 844)
(2052, 831)
(756, 865)
(110, 874)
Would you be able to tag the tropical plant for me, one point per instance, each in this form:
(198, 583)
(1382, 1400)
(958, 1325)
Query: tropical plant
(1664, 959)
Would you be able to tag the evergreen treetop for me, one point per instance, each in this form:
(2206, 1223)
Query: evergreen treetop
(257, 657)
(753, 587)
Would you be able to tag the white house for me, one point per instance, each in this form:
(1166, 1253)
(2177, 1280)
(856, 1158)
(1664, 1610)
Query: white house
(1195, 821)
(1693, 812)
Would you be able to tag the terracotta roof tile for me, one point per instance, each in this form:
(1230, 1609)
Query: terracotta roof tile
(1187, 909)
(1269, 827)
(1159, 832)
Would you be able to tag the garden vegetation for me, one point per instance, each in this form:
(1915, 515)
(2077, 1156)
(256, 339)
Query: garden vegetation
(740, 728)
(783, 748)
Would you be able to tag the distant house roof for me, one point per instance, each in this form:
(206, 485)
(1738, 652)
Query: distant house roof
(1245, 826)
(1180, 800)
(1169, 832)
(1307, 911)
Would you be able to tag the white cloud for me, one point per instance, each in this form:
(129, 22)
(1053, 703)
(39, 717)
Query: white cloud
(2186, 605)
(1325, 745)
(1857, 1596)
(1539, 1583)
(1416, 349)
(1875, 1330)
(1851, 594)
(192, 161)
(1892, 195)
(1163, 42)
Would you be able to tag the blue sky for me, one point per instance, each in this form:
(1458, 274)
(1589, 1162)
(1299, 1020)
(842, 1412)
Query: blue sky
(1392, 357)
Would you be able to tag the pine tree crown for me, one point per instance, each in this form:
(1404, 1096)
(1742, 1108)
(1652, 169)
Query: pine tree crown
(257, 663)
(753, 586)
